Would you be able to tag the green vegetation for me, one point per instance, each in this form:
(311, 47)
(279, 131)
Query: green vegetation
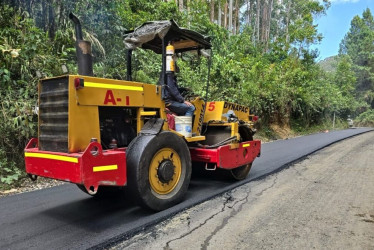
(261, 59)
(358, 46)
(24, 49)
(365, 119)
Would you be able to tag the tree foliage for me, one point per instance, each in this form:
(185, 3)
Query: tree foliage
(24, 50)
(262, 60)
(358, 45)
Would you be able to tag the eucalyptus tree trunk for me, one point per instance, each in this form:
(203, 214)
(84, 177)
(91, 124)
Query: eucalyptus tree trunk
(60, 13)
(225, 15)
(29, 8)
(212, 11)
(248, 4)
(51, 21)
(278, 20)
(288, 21)
(258, 20)
(264, 21)
(253, 21)
(44, 16)
(270, 10)
(230, 17)
(180, 5)
(237, 22)
(219, 15)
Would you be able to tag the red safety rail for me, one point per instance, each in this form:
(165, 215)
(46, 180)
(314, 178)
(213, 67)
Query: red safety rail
(91, 168)
(227, 157)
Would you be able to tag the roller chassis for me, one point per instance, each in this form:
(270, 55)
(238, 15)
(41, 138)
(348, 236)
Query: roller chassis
(94, 167)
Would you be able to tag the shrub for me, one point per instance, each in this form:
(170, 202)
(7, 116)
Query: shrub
(366, 119)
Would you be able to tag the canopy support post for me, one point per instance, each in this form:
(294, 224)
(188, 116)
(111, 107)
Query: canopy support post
(129, 69)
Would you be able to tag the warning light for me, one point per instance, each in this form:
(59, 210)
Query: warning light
(78, 83)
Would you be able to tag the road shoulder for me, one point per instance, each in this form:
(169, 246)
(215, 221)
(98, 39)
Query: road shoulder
(325, 201)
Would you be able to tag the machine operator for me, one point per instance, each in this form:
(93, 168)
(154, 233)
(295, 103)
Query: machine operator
(173, 99)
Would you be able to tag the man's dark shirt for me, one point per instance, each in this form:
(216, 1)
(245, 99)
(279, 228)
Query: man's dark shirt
(171, 90)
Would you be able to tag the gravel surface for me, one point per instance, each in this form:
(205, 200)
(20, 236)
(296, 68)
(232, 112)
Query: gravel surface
(28, 185)
(323, 202)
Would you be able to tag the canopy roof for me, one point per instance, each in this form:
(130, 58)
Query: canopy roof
(150, 34)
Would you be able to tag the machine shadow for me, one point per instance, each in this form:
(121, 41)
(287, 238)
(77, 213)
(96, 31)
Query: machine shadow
(99, 214)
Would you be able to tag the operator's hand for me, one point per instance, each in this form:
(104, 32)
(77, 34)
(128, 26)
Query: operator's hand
(188, 103)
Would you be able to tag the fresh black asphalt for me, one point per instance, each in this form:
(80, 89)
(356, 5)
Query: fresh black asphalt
(63, 217)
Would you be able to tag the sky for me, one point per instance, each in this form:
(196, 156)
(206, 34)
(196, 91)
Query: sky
(336, 23)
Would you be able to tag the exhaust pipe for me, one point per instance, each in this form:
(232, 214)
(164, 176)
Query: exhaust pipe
(83, 49)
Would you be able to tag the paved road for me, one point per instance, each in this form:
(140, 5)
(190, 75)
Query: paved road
(323, 202)
(64, 218)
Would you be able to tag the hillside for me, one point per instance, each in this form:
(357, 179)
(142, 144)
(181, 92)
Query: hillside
(329, 63)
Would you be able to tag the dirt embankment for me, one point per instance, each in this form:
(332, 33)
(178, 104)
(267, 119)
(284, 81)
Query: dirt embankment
(324, 202)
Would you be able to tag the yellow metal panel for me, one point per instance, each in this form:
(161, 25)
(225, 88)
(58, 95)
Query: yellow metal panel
(162, 113)
(217, 110)
(139, 120)
(152, 96)
(213, 111)
(109, 97)
(195, 138)
(234, 145)
(240, 111)
(189, 139)
(199, 119)
(109, 92)
(105, 168)
(235, 130)
(219, 124)
(83, 122)
(52, 157)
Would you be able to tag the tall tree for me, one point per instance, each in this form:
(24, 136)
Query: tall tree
(219, 13)
(258, 8)
(225, 15)
(358, 44)
(230, 15)
(236, 18)
(212, 11)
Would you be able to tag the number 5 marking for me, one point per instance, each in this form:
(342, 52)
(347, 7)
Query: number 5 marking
(212, 106)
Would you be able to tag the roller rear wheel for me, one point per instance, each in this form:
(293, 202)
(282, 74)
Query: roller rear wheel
(218, 134)
(240, 173)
